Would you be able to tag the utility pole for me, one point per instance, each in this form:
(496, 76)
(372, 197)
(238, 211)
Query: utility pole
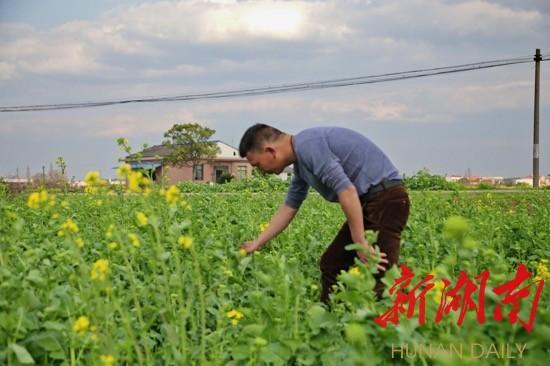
(537, 59)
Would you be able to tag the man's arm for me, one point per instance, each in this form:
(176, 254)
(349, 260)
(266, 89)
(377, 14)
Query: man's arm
(278, 223)
(349, 201)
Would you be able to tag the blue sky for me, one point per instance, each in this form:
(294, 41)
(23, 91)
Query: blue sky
(76, 51)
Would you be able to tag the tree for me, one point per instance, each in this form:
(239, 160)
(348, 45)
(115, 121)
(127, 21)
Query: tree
(189, 144)
(61, 164)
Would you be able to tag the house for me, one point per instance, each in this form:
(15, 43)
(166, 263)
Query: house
(471, 180)
(492, 180)
(543, 180)
(227, 161)
(453, 178)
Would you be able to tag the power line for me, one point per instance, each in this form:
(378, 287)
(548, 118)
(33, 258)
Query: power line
(285, 88)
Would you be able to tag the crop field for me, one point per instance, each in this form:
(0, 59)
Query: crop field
(149, 276)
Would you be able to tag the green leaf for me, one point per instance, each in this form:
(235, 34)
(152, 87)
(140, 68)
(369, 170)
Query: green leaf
(36, 278)
(253, 329)
(48, 341)
(23, 356)
(241, 352)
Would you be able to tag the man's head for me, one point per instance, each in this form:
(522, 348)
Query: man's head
(266, 148)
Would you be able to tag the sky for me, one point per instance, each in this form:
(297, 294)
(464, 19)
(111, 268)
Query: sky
(69, 51)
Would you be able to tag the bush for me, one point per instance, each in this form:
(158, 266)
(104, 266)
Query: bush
(423, 180)
(265, 183)
(225, 178)
(484, 186)
(3, 188)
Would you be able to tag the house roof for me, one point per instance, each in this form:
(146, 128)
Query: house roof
(159, 151)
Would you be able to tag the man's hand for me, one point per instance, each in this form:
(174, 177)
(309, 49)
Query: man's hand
(363, 257)
(250, 246)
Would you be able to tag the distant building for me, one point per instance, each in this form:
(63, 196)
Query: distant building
(18, 180)
(471, 180)
(543, 180)
(227, 161)
(453, 178)
(492, 180)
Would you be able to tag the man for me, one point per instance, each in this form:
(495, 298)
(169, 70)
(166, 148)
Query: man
(345, 167)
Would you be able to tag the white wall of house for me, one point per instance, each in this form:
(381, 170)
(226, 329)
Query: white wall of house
(227, 151)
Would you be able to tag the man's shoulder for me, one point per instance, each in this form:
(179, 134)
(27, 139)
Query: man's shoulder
(312, 135)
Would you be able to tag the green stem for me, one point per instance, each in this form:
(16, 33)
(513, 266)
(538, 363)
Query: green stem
(136, 303)
(198, 277)
(126, 323)
(182, 311)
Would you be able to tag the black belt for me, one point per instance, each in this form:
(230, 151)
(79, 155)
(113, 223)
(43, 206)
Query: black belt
(383, 185)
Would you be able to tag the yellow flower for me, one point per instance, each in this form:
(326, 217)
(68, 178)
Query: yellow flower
(113, 245)
(263, 227)
(93, 179)
(185, 241)
(124, 170)
(107, 360)
(355, 271)
(99, 202)
(36, 199)
(55, 216)
(99, 270)
(137, 182)
(134, 240)
(172, 194)
(437, 291)
(141, 219)
(242, 252)
(79, 242)
(81, 324)
(235, 314)
(69, 226)
(43, 196)
(542, 270)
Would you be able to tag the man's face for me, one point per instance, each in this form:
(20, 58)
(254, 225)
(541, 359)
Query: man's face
(266, 159)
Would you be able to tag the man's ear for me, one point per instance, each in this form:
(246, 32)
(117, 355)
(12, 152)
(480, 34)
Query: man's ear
(270, 150)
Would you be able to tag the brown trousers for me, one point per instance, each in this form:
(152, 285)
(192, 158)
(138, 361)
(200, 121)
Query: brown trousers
(387, 212)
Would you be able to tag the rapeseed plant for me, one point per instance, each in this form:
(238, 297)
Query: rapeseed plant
(141, 219)
(235, 316)
(134, 240)
(81, 324)
(172, 195)
(99, 270)
(185, 241)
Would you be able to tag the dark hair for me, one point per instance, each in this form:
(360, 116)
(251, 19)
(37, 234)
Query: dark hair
(255, 136)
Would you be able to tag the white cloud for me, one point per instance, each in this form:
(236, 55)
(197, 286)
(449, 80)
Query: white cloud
(487, 18)
(214, 21)
(72, 48)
